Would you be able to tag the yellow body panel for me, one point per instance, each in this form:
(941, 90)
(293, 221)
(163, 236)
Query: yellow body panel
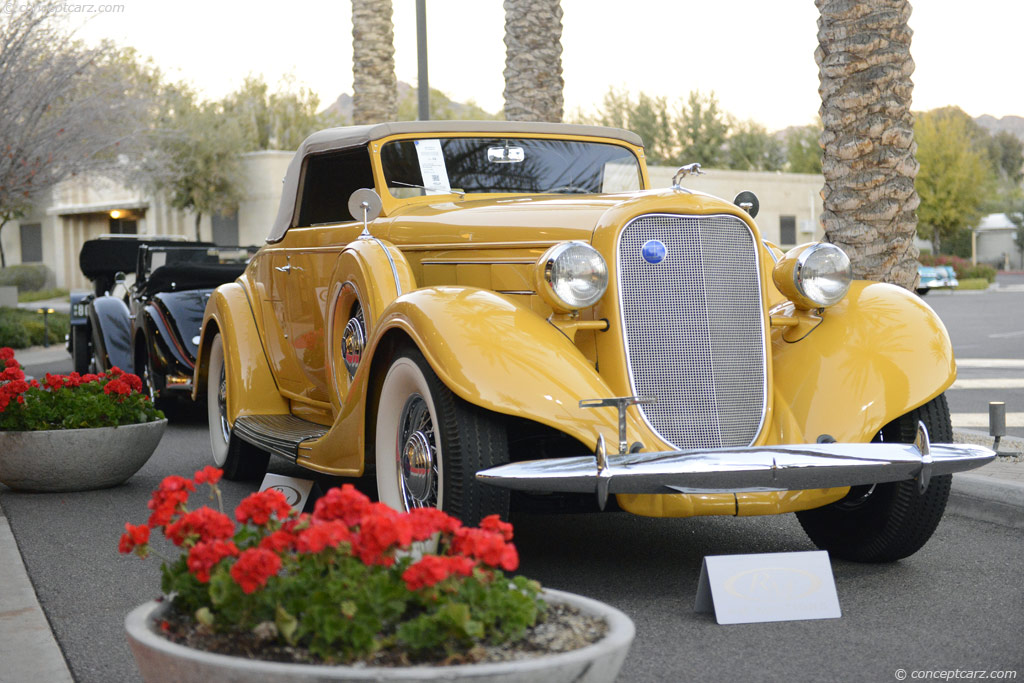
(464, 297)
(247, 371)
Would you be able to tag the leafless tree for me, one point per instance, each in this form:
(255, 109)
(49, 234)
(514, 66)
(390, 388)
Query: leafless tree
(65, 108)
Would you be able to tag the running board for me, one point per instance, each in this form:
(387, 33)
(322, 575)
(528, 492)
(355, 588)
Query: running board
(280, 434)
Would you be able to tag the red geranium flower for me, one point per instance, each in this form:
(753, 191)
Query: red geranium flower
(258, 507)
(345, 503)
(203, 556)
(254, 567)
(208, 475)
(135, 535)
(203, 524)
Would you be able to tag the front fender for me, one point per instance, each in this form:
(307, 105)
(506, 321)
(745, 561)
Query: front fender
(878, 354)
(112, 333)
(252, 390)
(496, 354)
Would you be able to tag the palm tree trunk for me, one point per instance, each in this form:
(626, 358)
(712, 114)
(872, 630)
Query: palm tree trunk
(533, 60)
(864, 68)
(375, 89)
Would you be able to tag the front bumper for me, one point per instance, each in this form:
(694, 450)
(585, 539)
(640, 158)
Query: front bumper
(734, 470)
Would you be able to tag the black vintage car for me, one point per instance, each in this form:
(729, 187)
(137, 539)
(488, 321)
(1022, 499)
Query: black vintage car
(151, 326)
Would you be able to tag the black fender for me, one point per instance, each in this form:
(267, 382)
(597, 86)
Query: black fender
(111, 333)
(172, 323)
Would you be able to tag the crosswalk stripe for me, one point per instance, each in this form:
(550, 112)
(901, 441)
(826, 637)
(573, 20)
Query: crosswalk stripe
(1009, 363)
(981, 420)
(998, 383)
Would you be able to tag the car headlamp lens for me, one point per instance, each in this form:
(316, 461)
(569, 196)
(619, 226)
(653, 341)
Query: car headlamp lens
(823, 274)
(571, 276)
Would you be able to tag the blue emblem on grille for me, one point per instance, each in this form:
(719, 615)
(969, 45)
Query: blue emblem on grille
(653, 251)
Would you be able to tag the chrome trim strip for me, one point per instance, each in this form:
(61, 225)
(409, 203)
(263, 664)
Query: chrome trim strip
(479, 245)
(280, 434)
(760, 290)
(760, 468)
(481, 262)
(520, 292)
(394, 269)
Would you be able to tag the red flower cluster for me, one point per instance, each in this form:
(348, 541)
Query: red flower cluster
(169, 499)
(12, 379)
(344, 521)
(254, 567)
(116, 383)
(433, 569)
(258, 507)
(202, 524)
(135, 535)
(205, 555)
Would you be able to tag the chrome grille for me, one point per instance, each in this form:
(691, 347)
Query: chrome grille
(694, 328)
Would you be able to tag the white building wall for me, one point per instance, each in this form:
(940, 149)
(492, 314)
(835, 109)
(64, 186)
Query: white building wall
(779, 194)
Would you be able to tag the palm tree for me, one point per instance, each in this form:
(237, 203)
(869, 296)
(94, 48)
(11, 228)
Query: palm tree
(533, 60)
(375, 89)
(864, 68)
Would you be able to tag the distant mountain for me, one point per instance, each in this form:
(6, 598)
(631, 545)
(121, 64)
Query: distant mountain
(1012, 124)
(407, 95)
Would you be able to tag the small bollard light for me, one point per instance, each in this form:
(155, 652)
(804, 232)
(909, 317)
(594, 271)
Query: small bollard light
(46, 326)
(996, 422)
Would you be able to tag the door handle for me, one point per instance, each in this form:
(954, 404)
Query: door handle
(287, 269)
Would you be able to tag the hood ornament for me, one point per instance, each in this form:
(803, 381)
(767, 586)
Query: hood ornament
(688, 169)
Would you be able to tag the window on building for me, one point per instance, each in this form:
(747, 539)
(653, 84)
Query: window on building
(225, 230)
(124, 226)
(787, 230)
(31, 243)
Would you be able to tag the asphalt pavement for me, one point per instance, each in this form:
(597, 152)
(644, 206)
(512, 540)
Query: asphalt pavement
(29, 651)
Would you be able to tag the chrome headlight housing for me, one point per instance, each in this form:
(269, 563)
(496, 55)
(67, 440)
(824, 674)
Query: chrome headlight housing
(570, 276)
(814, 275)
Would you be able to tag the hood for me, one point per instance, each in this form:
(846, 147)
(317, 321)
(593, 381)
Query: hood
(537, 218)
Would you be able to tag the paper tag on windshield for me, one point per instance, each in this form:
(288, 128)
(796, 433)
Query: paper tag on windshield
(431, 158)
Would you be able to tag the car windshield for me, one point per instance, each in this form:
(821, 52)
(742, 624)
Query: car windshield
(521, 165)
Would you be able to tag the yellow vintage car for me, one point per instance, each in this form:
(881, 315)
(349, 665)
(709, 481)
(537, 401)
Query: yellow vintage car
(466, 309)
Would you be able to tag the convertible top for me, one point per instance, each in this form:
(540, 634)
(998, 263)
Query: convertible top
(106, 257)
(357, 136)
(178, 276)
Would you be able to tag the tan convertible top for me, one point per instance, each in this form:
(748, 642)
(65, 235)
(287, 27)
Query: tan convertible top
(358, 136)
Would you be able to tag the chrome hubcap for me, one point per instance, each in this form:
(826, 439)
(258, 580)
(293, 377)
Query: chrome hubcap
(417, 455)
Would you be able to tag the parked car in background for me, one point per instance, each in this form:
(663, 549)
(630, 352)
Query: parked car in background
(464, 309)
(152, 328)
(107, 262)
(936, 277)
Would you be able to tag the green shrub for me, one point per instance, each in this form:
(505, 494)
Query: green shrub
(13, 334)
(973, 283)
(27, 277)
(979, 271)
(42, 295)
(20, 328)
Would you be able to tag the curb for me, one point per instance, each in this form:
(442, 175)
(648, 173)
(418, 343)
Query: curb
(987, 499)
(28, 649)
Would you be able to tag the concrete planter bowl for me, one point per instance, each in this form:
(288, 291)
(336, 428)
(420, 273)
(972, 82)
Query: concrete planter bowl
(161, 660)
(76, 459)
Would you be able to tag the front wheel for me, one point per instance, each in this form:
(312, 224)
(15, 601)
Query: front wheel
(887, 522)
(239, 460)
(430, 444)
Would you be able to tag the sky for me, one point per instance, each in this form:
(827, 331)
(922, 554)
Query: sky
(756, 55)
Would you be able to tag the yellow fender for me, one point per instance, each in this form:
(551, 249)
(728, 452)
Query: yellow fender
(254, 391)
(497, 354)
(878, 354)
(372, 273)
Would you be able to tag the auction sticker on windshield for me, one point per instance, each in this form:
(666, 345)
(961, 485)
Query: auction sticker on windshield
(432, 168)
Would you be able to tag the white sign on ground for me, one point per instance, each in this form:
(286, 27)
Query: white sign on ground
(296, 491)
(743, 589)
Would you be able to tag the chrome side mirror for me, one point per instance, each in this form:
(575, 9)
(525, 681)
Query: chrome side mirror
(366, 204)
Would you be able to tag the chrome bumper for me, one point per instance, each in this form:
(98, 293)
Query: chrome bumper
(728, 470)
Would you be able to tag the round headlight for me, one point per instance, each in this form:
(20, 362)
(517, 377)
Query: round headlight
(814, 275)
(571, 276)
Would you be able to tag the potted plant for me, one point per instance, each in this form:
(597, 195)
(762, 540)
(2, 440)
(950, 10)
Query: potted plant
(108, 426)
(348, 593)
